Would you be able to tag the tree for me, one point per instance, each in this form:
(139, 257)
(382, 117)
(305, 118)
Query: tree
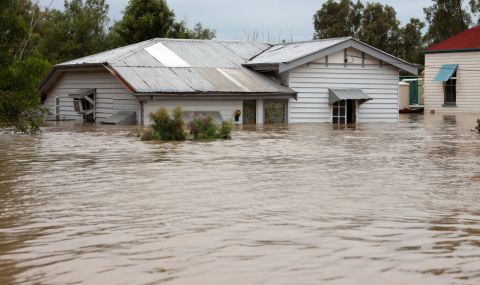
(147, 19)
(475, 8)
(413, 41)
(446, 18)
(78, 31)
(144, 19)
(199, 32)
(20, 73)
(338, 19)
(380, 28)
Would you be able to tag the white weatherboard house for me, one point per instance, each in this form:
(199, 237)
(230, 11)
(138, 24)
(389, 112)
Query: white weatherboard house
(337, 80)
(452, 74)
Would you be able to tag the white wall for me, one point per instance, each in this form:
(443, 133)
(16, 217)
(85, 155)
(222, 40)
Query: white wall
(312, 81)
(111, 95)
(468, 81)
(226, 107)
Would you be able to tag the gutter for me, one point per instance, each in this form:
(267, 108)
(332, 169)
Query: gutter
(451, 50)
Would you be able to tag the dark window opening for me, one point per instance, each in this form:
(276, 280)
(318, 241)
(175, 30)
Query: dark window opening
(275, 111)
(450, 91)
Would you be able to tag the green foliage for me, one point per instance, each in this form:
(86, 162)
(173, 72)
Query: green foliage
(147, 19)
(144, 19)
(413, 42)
(338, 19)
(21, 71)
(78, 31)
(375, 24)
(203, 128)
(446, 18)
(475, 8)
(165, 127)
(380, 28)
(171, 128)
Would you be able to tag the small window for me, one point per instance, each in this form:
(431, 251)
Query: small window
(339, 112)
(450, 91)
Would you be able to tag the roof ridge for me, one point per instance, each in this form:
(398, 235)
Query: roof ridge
(108, 51)
(315, 41)
(211, 40)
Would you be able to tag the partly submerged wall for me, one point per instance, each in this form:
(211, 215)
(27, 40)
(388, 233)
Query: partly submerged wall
(468, 81)
(111, 95)
(311, 81)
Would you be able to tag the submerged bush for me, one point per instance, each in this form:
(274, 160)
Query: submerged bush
(165, 127)
(204, 128)
(171, 128)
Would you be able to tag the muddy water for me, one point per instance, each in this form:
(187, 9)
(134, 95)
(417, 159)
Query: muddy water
(303, 204)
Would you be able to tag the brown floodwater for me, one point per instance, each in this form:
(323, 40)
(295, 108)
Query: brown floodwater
(297, 204)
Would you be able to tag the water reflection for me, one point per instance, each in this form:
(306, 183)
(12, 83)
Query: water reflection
(278, 204)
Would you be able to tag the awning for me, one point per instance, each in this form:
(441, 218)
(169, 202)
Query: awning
(79, 94)
(446, 72)
(336, 95)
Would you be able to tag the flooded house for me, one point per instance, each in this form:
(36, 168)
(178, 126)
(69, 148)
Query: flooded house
(452, 72)
(339, 81)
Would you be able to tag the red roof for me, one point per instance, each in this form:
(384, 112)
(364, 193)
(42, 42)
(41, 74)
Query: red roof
(467, 40)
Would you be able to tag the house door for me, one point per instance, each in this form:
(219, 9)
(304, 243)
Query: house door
(250, 111)
(275, 111)
(344, 112)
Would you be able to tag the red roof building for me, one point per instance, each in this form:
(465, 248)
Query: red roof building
(468, 40)
(452, 74)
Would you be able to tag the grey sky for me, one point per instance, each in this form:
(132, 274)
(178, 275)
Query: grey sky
(233, 19)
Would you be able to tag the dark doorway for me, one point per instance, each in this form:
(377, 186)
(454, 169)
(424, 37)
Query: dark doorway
(275, 111)
(351, 111)
(249, 111)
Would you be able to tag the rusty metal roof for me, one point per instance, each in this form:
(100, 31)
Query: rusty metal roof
(187, 66)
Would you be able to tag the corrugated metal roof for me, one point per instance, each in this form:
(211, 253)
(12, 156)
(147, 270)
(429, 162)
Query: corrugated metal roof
(110, 55)
(467, 40)
(283, 53)
(446, 72)
(283, 57)
(336, 95)
(188, 66)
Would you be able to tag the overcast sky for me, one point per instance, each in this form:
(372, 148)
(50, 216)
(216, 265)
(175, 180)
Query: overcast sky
(233, 19)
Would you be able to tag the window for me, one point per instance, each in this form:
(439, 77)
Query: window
(275, 111)
(339, 115)
(450, 91)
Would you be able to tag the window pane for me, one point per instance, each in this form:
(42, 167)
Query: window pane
(274, 111)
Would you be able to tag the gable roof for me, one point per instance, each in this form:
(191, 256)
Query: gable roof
(176, 66)
(185, 66)
(283, 57)
(468, 40)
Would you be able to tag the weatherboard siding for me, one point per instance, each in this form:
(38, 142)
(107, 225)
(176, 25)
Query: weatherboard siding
(111, 95)
(313, 80)
(468, 81)
(226, 107)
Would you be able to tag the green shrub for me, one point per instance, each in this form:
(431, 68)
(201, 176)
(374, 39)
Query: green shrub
(204, 128)
(171, 128)
(226, 130)
(165, 127)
